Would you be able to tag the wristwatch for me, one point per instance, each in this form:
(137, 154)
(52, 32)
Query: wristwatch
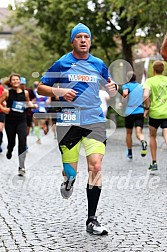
(146, 108)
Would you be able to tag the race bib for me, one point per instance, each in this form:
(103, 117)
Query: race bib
(68, 116)
(18, 106)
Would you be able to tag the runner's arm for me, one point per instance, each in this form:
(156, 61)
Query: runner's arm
(67, 93)
(3, 98)
(29, 103)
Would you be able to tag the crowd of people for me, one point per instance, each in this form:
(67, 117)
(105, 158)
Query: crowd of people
(82, 85)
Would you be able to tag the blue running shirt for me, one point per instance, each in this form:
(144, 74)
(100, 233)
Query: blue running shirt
(84, 76)
(135, 98)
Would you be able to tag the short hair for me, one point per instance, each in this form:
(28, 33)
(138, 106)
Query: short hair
(158, 66)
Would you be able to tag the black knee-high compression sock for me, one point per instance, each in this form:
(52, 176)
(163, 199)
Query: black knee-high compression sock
(93, 194)
(129, 151)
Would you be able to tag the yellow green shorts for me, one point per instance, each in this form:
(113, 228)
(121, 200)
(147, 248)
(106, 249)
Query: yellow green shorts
(91, 146)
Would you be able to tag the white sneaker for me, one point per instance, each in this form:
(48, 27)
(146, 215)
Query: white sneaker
(66, 189)
(21, 171)
(94, 227)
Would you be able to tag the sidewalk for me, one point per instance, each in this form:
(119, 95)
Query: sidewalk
(35, 218)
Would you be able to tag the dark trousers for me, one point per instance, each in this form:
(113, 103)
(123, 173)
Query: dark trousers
(19, 128)
(1, 137)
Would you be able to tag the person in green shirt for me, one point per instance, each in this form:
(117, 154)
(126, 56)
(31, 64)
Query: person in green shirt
(155, 100)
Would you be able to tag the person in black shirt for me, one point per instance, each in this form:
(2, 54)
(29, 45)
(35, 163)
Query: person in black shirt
(15, 118)
(2, 118)
(29, 113)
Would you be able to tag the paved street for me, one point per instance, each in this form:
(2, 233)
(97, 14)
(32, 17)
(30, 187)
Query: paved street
(35, 218)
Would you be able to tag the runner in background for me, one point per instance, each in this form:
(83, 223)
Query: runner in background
(2, 118)
(134, 113)
(42, 102)
(15, 118)
(29, 113)
(155, 100)
(53, 110)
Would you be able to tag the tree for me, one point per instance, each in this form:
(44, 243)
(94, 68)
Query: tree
(109, 21)
(58, 17)
(26, 54)
(126, 18)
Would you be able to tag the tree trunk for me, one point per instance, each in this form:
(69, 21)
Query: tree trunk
(127, 50)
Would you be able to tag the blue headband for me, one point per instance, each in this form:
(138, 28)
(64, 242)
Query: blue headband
(78, 29)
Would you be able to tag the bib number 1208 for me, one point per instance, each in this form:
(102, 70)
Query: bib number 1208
(68, 116)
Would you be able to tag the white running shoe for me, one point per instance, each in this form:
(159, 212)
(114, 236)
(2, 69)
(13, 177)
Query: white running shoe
(66, 189)
(21, 171)
(94, 227)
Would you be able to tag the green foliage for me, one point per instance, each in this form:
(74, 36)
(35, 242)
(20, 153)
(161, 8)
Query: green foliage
(26, 54)
(57, 18)
(106, 19)
(120, 121)
(4, 72)
(46, 26)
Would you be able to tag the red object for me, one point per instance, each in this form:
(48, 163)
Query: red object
(1, 91)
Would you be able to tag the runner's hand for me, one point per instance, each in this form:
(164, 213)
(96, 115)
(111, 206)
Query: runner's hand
(70, 95)
(146, 113)
(111, 86)
(6, 110)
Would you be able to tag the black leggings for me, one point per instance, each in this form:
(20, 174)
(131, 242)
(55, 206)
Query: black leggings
(19, 128)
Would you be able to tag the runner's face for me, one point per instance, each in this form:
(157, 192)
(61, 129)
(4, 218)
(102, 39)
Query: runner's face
(81, 44)
(15, 81)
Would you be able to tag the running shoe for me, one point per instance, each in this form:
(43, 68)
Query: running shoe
(153, 167)
(9, 155)
(66, 189)
(129, 156)
(21, 171)
(144, 148)
(0, 149)
(94, 227)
